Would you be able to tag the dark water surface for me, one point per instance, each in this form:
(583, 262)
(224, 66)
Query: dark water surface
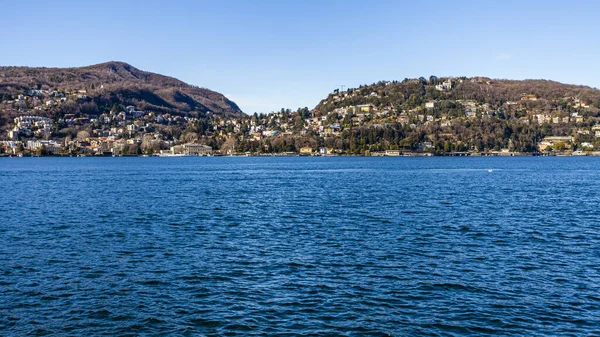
(313, 246)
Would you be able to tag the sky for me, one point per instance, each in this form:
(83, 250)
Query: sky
(267, 55)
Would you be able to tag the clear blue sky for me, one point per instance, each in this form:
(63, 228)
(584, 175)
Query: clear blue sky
(266, 55)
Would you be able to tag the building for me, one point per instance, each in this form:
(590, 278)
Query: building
(9, 146)
(403, 119)
(14, 133)
(555, 142)
(49, 146)
(581, 105)
(365, 108)
(543, 118)
(191, 149)
(131, 111)
(425, 146)
(326, 151)
(529, 97)
(307, 150)
(194, 149)
(446, 85)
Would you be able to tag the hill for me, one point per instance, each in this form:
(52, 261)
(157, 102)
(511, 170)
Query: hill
(450, 115)
(100, 87)
(413, 93)
(441, 116)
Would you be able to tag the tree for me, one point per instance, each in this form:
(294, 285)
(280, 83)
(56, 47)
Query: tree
(134, 149)
(190, 137)
(41, 151)
(89, 108)
(83, 135)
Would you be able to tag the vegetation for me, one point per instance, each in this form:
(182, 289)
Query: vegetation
(469, 115)
(101, 87)
(114, 105)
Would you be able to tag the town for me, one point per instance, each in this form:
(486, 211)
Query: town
(367, 120)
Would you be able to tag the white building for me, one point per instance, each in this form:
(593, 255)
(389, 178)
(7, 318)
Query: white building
(192, 149)
(446, 85)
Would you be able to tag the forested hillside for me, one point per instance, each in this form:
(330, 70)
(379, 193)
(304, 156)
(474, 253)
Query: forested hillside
(99, 88)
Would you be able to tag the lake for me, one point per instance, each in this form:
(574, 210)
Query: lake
(300, 246)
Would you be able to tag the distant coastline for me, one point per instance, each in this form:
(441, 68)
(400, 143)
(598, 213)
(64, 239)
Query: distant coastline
(115, 109)
(491, 154)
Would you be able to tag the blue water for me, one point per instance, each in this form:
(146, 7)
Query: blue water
(300, 246)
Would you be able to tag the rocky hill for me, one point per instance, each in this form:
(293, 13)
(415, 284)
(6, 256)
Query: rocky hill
(100, 87)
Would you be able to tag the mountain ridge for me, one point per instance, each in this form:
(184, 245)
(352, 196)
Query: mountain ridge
(117, 82)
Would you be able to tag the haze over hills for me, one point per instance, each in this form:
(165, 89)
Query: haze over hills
(118, 83)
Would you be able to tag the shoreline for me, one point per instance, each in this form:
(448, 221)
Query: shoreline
(590, 154)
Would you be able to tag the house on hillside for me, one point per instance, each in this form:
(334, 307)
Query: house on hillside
(446, 85)
(365, 107)
(529, 97)
(306, 150)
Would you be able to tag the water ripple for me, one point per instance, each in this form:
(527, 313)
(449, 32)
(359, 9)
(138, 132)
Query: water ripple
(300, 246)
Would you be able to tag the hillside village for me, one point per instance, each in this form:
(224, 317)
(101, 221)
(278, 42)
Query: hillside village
(446, 116)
